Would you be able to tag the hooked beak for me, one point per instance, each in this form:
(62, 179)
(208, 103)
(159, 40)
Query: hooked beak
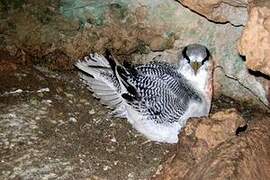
(195, 66)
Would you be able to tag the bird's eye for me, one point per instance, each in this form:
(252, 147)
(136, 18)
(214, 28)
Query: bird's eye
(207, 56)
(184, 53)
(205, 59)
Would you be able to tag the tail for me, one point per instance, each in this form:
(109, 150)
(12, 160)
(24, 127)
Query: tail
(98, 74)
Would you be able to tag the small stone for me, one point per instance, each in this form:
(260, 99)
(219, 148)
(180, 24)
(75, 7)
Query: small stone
(49, 101)
(105, 168)
(12, 115)
(131, 175)
(69, 95)
(16, 91)
(113, 139)
(91, 112)
(86, 103)
(73, 119)
(43, 90)
(82, 100)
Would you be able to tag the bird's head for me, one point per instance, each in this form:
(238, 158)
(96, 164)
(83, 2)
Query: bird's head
(196, 65)
(194, 58)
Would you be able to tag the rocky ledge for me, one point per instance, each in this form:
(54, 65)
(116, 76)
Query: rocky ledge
(223, 146)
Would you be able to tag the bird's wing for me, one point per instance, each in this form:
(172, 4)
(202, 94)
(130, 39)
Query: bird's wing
(164, 93)
(97, 74)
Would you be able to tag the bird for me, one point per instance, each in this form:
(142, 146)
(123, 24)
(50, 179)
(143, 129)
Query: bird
(157, 98)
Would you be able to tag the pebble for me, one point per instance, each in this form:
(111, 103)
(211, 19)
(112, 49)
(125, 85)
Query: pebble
(91, 112)
(105, 168)
(43, 90)
(131, 175)
(113, 139)
(73, 119)
(12, 115)
(69, 95)
(49, 101)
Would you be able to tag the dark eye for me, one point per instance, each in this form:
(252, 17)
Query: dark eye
(207, 56)
(184, 53)
(205, 59)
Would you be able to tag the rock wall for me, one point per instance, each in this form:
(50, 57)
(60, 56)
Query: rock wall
(221, 147)
(223, 11)
(57, 33)
(254, 43)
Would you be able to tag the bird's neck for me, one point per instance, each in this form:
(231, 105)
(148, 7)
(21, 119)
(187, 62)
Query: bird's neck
(203, 83)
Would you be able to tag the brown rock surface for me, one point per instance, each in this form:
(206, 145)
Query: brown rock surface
(50, 37)
(254, 43)
(233, 11)
(214, 149)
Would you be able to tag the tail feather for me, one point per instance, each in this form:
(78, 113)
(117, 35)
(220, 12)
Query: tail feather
(98, 74)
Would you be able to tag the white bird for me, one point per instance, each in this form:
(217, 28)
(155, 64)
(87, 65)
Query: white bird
(156, 98)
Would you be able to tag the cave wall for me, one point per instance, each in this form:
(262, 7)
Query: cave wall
(255, 39)
(56, 33)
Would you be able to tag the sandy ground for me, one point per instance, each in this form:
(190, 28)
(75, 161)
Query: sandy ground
(51, 127)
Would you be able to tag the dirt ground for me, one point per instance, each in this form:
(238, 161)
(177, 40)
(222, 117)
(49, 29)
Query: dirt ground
(52, 128)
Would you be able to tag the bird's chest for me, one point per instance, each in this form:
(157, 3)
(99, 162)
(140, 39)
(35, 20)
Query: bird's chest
(196, 109)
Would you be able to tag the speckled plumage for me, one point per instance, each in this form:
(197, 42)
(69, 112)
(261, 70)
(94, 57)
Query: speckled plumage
(156, 98)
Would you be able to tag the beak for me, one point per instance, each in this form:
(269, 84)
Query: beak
(195, 66)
